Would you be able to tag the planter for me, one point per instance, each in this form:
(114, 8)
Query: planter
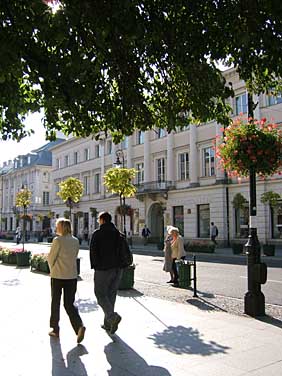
(237, 248)
(23, 258)
(44, 267)
(184, 273)
(200, 247)
(10, 258)
(127, 279)
(269, 249)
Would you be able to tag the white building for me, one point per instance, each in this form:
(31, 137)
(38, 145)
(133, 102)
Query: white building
(32, 171)
(178, 179)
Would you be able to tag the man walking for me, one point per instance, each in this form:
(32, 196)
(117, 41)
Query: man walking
(145, 234)
(105, 261)
(214, 233)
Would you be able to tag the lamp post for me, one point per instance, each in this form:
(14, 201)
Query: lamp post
(69, 204)
(254, 301)
(24, 218)
(120, 163)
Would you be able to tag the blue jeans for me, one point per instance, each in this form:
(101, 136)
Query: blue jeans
(106, 283)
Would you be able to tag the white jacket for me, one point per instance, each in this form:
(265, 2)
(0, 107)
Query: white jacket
(62, 257)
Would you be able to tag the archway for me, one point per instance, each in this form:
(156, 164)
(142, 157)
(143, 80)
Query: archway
(156, 222)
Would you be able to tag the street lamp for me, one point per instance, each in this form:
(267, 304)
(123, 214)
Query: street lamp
(254, 301)
(120, 163)
(24, 218)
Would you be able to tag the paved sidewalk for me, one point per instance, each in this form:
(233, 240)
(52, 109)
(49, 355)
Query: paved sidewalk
(155, 337)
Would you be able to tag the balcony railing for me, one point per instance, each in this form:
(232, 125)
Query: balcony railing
(154, 187)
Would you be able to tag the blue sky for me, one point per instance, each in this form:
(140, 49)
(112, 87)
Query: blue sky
(11, 149)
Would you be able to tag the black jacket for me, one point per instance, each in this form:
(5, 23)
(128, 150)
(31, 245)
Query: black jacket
(103, 247)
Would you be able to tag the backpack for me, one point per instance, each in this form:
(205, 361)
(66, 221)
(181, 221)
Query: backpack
(124, 253)
(216, 231)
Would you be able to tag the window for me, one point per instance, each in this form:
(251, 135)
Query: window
(124, 143)
(271, 99)
(183, 166)
(242, 222)
(161, 133)
(139, 137)
(97, 151)
(66, 160)
(28, 159)
(46, 198)
(178, 218)
(203, 220)
(208, 161)
(276, 221)
(140, 173)
(58, 163)
(46, 177)
(97, 183)
(86, 154)
(241, 104)
(109, 147)
(161, 169)
(57, 188)
(75, 157)
(86, 185)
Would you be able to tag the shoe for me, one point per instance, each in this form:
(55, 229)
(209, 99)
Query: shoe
(171, 281)
(53, 334)
(175, 284)
(114, 323)
(106, 327)
(80, 334)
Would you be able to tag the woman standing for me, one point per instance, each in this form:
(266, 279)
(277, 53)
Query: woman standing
(63, 272)
(167, 257)
(177, 251)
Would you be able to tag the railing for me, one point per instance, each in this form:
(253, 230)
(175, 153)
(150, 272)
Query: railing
(155, 186)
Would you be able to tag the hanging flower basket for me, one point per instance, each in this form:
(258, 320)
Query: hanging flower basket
(248, 144)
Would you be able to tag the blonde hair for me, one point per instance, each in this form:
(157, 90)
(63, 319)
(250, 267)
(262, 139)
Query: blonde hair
(65, 225)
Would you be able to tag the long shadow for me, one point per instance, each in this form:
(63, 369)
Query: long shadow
(204, 305)
(86, 305)
(182, 340)
(130, 293)
(270, 320)
(125, 361)
(73, 364)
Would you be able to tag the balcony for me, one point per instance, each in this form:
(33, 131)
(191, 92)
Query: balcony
(154, 188)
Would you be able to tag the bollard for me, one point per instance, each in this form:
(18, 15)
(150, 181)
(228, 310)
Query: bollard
(194, 278)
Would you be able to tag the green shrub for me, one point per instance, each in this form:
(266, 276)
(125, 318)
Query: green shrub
(200, 246)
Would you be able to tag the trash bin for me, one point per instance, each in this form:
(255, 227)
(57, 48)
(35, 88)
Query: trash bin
(184, 273)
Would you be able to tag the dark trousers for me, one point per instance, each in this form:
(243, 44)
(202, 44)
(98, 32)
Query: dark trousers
(213, 239)
(69, 288)
(106, 283)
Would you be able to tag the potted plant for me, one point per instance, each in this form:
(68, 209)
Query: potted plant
(71, 191)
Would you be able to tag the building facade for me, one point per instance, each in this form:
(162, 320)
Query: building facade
(31, 171)
(178, 179)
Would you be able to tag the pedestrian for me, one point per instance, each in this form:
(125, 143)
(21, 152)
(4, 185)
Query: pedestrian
(18, 234)
(177, 251)
(214, 233)
(145, 234)
(168, 257)
(63, 271)
(85, 234)
(104, 260)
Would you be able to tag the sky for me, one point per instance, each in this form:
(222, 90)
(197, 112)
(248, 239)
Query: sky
(11, 149)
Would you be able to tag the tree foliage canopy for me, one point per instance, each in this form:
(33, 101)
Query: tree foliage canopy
(71, 190)
(119, 180)
(23, 198)
(114, 66)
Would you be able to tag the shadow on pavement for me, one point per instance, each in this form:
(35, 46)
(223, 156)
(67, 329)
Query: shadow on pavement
(270, 320)
(182, 340)
(130, 293)
(73, 364)
(124, 361)
(204, 305)
(11, 282)
(86, 305)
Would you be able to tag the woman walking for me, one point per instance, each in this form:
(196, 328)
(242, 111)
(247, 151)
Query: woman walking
(63, 272)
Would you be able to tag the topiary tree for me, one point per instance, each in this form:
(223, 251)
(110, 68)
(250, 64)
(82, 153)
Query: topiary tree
(71, 191)
(119, 180)
(23, 200)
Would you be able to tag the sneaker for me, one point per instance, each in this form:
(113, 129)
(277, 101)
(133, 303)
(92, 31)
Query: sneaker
(53, 334)
(114, 323)
(80, 334)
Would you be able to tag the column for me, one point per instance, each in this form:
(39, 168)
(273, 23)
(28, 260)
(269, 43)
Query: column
(147, 157)
(193, 160)
(129, 153)
(170, 157)
(219, 172)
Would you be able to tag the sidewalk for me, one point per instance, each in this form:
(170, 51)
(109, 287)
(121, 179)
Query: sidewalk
(155, 337)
